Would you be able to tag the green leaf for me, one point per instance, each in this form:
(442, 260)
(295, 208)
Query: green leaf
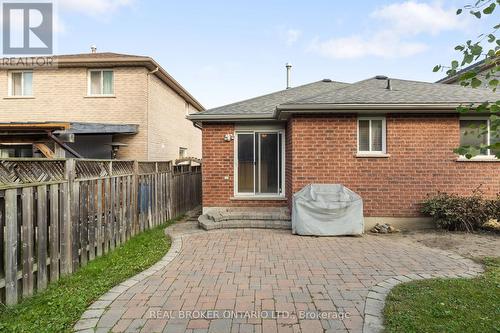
(488, 10)
(475, 83)
(476, 49)
(493, 83)
(476, 14)
(491, 38)
(454, 64)
(468, 58)
(459, 48)
(468, 75)
(436, 68)
(459, 11)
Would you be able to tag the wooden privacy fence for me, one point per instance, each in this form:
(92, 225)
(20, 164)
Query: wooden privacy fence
(56, 215)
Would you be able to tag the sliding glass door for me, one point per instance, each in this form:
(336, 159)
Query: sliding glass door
(259, 163)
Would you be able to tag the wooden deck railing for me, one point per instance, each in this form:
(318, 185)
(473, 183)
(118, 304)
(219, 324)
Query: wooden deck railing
(57, 215)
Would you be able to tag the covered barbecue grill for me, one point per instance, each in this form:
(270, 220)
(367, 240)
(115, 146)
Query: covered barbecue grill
(327, 210)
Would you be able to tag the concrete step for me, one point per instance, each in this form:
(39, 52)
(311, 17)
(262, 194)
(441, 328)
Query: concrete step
(262, 217)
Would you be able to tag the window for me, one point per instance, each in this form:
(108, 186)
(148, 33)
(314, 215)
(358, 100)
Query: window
(182, 152)
(259, 166)
(21, 83)
(100, 82)
(477, 132)
(371, 135)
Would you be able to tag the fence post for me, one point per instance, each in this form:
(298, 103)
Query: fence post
(67, 218)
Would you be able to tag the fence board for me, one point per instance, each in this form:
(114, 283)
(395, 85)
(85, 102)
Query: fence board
(107, 218)
(27, 240)
(41, 214)
(65, 230)
(91, 219)
(112, 210)
(75, 244)
(11, 246)
(84, 222)
(118, 214)
(123, 210)
(99, 227)
(54, 232)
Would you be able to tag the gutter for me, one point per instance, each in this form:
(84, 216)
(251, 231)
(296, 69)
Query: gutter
(283, 111)
(231, 117)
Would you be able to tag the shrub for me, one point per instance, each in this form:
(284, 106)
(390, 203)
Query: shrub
(461, 213)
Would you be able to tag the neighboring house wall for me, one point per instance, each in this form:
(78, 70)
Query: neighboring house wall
(322, 149)
(168, 127)
(61, 95)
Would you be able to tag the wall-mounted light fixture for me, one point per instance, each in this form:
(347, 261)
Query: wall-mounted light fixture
(228, 137)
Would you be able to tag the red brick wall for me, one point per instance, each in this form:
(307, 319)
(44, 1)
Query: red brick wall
(421, 161)
(322, 149)
(218, 162)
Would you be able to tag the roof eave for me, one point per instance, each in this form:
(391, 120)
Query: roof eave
(229, 117)
(283, 111)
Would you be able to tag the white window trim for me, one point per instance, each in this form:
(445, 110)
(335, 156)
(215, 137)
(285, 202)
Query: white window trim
(382, 152)
(488, 156)
(10, 87)
(238, 195)
(184, 150)
(89, 88)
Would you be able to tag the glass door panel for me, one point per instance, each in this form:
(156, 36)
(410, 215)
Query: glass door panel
(268, 163)
(246, 163)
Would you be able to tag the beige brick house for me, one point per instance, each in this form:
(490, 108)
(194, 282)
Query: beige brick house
(93, 102)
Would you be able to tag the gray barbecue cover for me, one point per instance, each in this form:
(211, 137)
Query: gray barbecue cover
(327, 210)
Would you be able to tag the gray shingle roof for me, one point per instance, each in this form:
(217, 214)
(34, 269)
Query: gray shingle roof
(374, 91)
(266, 104)
(367, 94)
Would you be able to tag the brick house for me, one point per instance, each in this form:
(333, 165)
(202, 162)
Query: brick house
(389, 140)
(94, 102)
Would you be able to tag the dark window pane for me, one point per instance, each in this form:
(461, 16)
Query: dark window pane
(280, 162)
(17, 84)
(494, 138)
(95, 83)
(28, 84)
(107, 80)
(376, 135)
(364, 135)
(472, 133)
(268, 166)
(245, 163)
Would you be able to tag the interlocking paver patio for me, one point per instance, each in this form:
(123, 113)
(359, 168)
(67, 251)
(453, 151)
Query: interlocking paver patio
(271, 272)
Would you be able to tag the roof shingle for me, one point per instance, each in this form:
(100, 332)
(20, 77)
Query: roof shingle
(266, 104)
(374, 91)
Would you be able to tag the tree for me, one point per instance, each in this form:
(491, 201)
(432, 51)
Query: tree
(486, 45)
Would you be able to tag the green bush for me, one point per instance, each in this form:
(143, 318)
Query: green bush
(461, 213)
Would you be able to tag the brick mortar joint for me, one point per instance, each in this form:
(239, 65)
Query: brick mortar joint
(376, 322)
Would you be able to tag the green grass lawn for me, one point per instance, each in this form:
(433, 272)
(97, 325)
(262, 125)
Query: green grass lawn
(447, 305)
(60, 306)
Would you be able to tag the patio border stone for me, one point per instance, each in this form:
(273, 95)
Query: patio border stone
(373, 321)
(89, 321)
